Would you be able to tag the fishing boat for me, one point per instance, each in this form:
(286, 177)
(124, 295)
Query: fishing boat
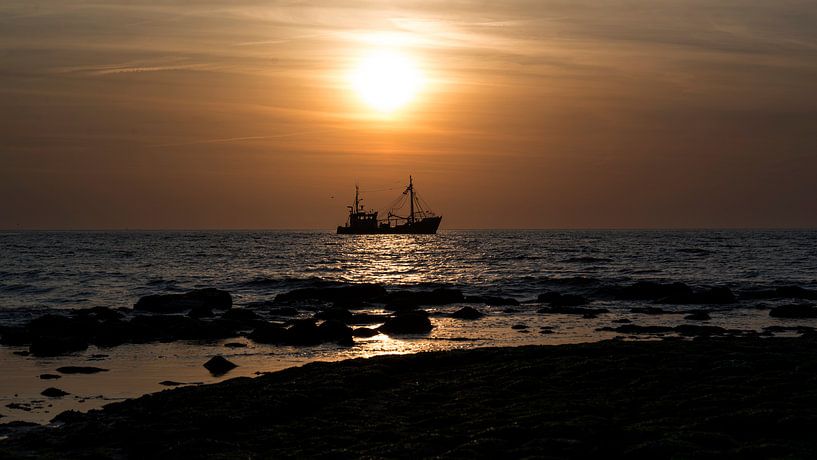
(420, 219)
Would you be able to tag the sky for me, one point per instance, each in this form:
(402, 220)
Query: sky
(532, 114)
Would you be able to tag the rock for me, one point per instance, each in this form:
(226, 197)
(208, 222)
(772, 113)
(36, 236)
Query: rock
(215, 299)
(200, 311)
(268, 333)
(781, 292)
(519, 326)
(794, 311)
(345, 294)
(491, 300)
(364, 332)
(649, 311)
(335, 331)
(696, 330)
(716, 295)
(303, 332)
(52, 392)
(50, 376)
(219, 365)
(636, 329)
(14, 335)
(98, 313)
(54, 346)
(562, 300)
(283, 311)
(407, 300)
(80, 370)
(148, 328)
(170, 383)
(467, 313)
(592, 312)
(651, 290)
(698, 316)
(235, 345)
(366, 318)
(336, 314)
(409, 322)
(239, 315)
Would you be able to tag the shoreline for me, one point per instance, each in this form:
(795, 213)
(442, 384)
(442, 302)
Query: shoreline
(736, 396)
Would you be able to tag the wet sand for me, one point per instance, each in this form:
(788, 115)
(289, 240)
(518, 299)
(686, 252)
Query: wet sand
(728, 397)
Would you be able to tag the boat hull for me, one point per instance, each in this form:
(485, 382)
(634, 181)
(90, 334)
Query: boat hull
(426, 226)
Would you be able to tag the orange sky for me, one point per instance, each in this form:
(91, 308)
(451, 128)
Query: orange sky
(239, 114)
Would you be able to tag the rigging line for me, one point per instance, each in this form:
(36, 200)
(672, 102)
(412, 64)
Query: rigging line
(380, 190)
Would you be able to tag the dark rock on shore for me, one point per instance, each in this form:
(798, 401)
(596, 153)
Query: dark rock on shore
(52, 392)
(794, 311)
(335, 331)
(781, 292)
(50, 376)
(170, 383)
(407, 300)
(268, 333)
(649, 311)
(636, 329)
(467, 313)
(716, 296)
(707, 398)
(201, 312)
(364, 332)
(669, 293)
(366, 318)
(219, 365)
(650, 290)
(80, 370)
(302, 332)
(240, 315)
(698, 316)
(212, 298)
(235, 345)
(491, 300)
(557, 299)
(283, 311)
(54, 346)
(335, 313)
(588, 312)
(345, 294)
(408, 322)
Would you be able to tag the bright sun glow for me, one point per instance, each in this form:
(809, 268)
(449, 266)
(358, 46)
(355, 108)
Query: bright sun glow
(386, 80)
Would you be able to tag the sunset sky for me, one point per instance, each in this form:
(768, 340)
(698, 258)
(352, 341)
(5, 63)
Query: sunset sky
(523, 114)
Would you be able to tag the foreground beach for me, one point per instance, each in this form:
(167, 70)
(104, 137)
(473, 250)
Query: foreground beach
(744, 397)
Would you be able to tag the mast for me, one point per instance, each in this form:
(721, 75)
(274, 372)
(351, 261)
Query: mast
(411, 193)
(357, 208)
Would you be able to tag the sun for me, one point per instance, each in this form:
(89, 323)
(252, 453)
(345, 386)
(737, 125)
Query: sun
(386, 80)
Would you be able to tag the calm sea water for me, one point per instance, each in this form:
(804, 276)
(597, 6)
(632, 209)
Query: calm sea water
(62, 270)
(84, 269)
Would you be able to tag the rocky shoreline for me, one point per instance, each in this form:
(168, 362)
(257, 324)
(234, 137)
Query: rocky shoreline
(746, 397)
(311, 316)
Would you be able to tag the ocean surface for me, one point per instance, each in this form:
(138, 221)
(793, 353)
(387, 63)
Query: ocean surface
(85, 269)
(51, 271)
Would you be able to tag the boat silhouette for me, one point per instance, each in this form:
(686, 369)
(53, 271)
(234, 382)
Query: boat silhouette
(420, 220)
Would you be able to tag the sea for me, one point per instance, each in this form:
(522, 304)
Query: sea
(50, 272)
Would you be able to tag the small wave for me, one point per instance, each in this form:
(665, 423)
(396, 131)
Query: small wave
(587, 260)
(697, 251)
(288, 283)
